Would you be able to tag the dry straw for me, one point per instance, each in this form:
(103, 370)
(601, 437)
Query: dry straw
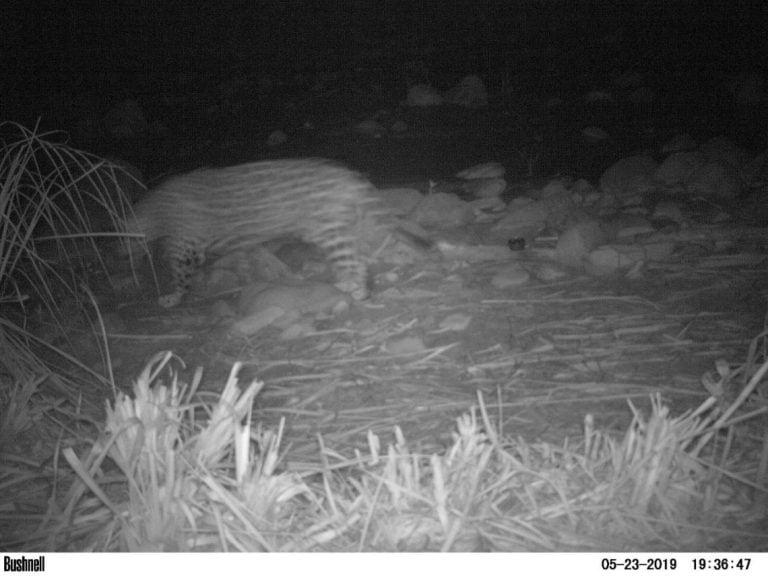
(197, 477)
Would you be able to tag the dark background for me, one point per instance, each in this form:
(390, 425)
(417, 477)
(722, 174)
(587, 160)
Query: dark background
(64, 61)
(133, 46)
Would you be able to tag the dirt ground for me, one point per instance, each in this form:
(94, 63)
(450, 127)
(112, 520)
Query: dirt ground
(541, 355)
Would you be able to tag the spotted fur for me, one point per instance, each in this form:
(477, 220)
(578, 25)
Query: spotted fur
(224, 209)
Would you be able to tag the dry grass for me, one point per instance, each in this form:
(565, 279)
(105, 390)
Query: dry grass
(170, 473)
(57, 205)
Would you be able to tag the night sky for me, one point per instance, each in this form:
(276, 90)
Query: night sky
(105, 46)
(70, 63)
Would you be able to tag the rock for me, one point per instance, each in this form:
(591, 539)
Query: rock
(443, 210)
(457, 322)
(548, 272)
(256, 322)
(628, 226)
(612, 258)
(469, 93)
(510, 276)
(525, 218)
(466, 253)
(678, 167)
(487, 209)
(409, 294)
(578, 240)
(559, 204)
(399, 201)
(370, 128)
(221, 310)
(583, 192)
(277, 259)
(487, 170)
(485, 187)
(668, 210)
(716, 182)
(422, 96)
(281, 304)
(405, 345)
(238, 268)
(214, 282)
(557, 188)
(406, 247)
(277, 138)
(630, 178)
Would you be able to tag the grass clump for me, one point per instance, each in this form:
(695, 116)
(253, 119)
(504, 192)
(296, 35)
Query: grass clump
(58, 208)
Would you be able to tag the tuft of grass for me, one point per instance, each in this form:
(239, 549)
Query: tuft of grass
(171, 473)
(197, 477)
(57, 206)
